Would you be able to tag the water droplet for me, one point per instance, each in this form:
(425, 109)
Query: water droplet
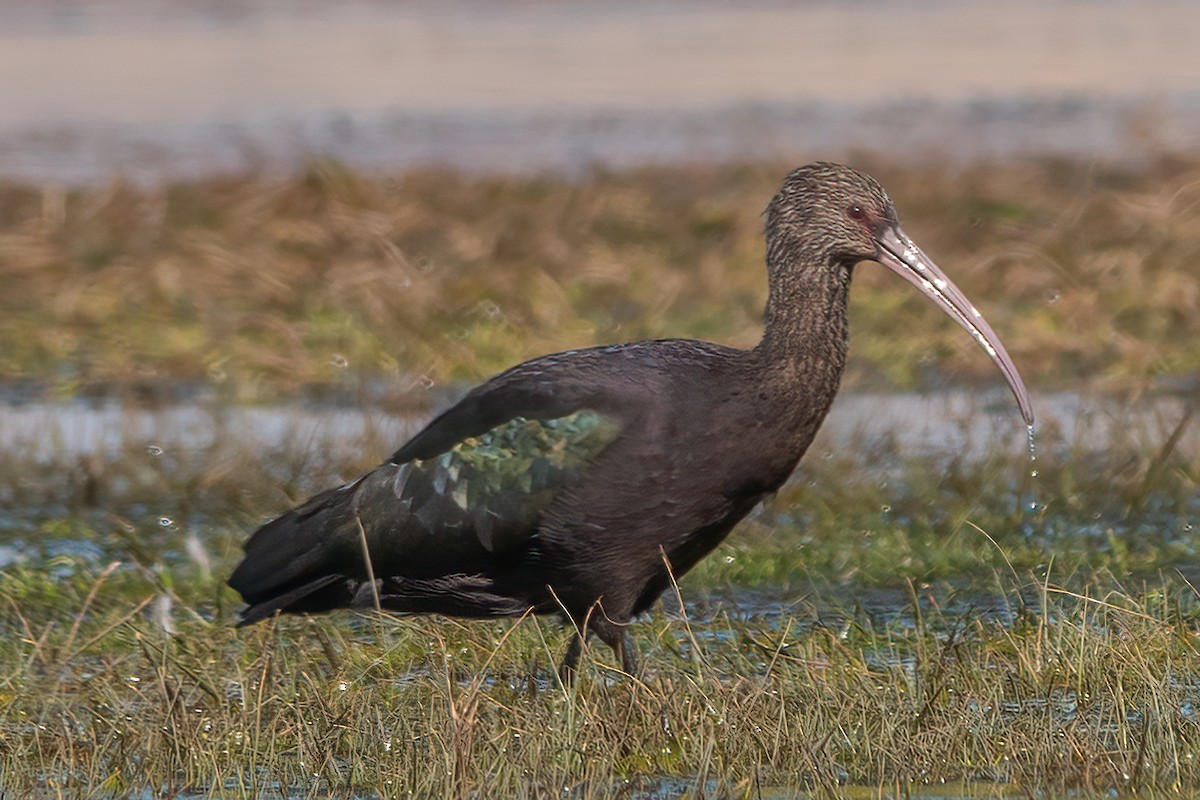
(1033, 473)
(1053, 296)
(154, 450)
(728, 559)
(1029, 434)
(886, 509)
(426, 382)
(339, 361)
(166, 522)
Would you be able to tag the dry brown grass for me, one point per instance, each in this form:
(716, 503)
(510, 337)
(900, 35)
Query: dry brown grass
(264, 285)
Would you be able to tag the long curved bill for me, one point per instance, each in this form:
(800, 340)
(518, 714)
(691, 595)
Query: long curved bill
(898, 253)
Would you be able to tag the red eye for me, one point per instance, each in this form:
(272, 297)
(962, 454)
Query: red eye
(856, 212)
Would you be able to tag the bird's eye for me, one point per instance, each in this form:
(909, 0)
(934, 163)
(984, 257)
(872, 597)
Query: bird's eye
(856, 212)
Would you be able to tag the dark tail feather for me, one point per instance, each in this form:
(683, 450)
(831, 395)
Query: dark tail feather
(306, 560)
(310, 597)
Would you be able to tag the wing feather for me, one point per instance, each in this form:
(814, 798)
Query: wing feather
(466, 490)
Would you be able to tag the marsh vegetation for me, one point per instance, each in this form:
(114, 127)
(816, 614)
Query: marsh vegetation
(894, 619)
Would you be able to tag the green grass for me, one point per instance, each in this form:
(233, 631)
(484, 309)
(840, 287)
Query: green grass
(1093, 693)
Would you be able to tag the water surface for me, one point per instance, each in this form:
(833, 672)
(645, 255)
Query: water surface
(970, 424)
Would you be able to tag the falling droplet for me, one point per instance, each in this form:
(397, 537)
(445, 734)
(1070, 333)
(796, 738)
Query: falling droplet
(425, 381)
(1033, 470)
(154, 450)
(886, 509)
(339, 361)
(166, 522)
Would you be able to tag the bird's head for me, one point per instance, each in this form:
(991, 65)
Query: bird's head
(830, 217)
(831, 213)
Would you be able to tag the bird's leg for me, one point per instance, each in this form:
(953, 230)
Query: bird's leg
(616, 636)
(570, 662)
(613, 634)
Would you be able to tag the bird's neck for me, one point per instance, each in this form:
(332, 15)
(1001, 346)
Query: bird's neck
(805, 341)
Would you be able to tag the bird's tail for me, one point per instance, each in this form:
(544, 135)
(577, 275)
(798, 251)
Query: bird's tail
(304, 560)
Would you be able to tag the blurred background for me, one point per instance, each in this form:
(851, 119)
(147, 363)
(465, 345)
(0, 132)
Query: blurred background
(231, 232)
(247, 247)
(150, 91)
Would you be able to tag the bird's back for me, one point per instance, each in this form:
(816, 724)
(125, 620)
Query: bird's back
(563, 479)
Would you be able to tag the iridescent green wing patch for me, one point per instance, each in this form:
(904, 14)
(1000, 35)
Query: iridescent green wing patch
(500, 482)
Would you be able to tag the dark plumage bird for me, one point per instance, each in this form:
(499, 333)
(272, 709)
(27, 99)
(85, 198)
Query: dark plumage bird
(569, 483)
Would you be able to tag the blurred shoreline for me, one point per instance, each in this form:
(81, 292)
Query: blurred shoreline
(1126, 131)
(154, 92)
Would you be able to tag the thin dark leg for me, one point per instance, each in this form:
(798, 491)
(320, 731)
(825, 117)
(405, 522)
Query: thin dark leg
(616, 636)
(570, 662)
(612, 634)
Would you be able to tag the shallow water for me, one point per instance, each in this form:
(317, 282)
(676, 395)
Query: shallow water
(151, 465)
(968, 424)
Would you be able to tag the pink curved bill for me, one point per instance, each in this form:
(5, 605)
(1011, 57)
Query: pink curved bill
(898, 253)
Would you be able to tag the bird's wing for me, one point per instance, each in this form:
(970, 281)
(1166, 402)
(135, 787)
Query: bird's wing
(546, 388)
(500, 455)
(495, 485)
(461, 495)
